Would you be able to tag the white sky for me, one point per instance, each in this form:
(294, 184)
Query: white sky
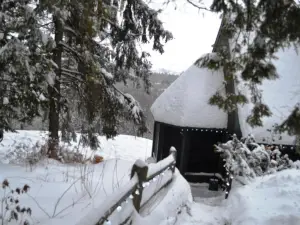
(194, 34)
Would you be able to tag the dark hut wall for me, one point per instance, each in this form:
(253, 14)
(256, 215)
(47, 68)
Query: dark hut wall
(202, 157)
(166, 136)
(195, 147)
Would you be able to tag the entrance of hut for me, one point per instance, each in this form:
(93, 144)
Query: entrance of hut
(172, 137)
(203, 160)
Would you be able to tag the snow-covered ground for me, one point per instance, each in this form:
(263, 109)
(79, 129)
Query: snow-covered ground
(122, 147)
(62, 194)
(269, 200)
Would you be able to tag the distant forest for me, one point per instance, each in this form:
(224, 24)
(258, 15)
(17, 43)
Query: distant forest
(160, 81)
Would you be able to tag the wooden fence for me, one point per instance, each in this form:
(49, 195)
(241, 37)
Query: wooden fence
(142, 176)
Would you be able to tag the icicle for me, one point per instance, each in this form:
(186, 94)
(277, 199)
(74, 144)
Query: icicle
(119, 208)
(144, 185)
(131, 196)
(227, 184)
(137, 192)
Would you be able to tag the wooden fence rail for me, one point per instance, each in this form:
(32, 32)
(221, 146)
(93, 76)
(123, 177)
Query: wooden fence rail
(141, 176)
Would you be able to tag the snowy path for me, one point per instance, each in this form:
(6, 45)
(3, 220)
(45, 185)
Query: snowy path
(205, 209)
(201, 214)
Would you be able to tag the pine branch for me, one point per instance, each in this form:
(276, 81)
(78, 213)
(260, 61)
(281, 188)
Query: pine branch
(70, 49)
(70, 75)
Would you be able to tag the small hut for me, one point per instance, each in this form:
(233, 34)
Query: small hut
(185, 120)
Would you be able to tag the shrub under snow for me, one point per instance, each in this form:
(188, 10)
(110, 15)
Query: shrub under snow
(245, 164)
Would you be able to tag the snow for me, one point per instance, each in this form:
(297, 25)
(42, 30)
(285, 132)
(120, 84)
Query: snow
(167, 204)
(150, 188)
(185, 102)
(269, 200)
(140, 163)
(123, 147)
(281, 95)
(155, 168)
(272, 199)
(45, 38)
(107, 74)
(65, 193)
(50, 78)
(5, 101)
(93, 216)
(42, 97)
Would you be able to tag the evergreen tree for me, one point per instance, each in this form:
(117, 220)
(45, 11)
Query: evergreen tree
(256, 30)
(93, 50)
(23, 62)
(57, 54)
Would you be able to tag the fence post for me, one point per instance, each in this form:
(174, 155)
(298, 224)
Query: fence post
(141, 169)
(174, 153)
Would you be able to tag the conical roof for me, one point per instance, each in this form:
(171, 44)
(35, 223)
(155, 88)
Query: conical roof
(185, 102)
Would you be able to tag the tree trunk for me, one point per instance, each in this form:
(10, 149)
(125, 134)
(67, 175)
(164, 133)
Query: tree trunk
(54, 93)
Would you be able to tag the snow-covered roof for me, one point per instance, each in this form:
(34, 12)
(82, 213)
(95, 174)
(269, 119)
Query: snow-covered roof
(281, 95)
(185, 102)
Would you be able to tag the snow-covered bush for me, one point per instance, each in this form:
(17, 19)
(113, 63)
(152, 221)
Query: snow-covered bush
(30, 154)
(245, 159)
(24, 152)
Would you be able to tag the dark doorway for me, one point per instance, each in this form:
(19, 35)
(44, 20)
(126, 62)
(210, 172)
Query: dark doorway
(202, 157)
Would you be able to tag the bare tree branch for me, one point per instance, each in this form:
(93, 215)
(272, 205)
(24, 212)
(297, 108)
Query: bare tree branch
(197, 6)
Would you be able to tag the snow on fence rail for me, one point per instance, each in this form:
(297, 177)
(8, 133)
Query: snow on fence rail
(146, 181)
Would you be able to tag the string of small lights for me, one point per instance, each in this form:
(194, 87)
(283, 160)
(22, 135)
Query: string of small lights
(145, 184)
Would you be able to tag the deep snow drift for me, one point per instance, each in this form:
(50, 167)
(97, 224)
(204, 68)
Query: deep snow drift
(269, 200)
